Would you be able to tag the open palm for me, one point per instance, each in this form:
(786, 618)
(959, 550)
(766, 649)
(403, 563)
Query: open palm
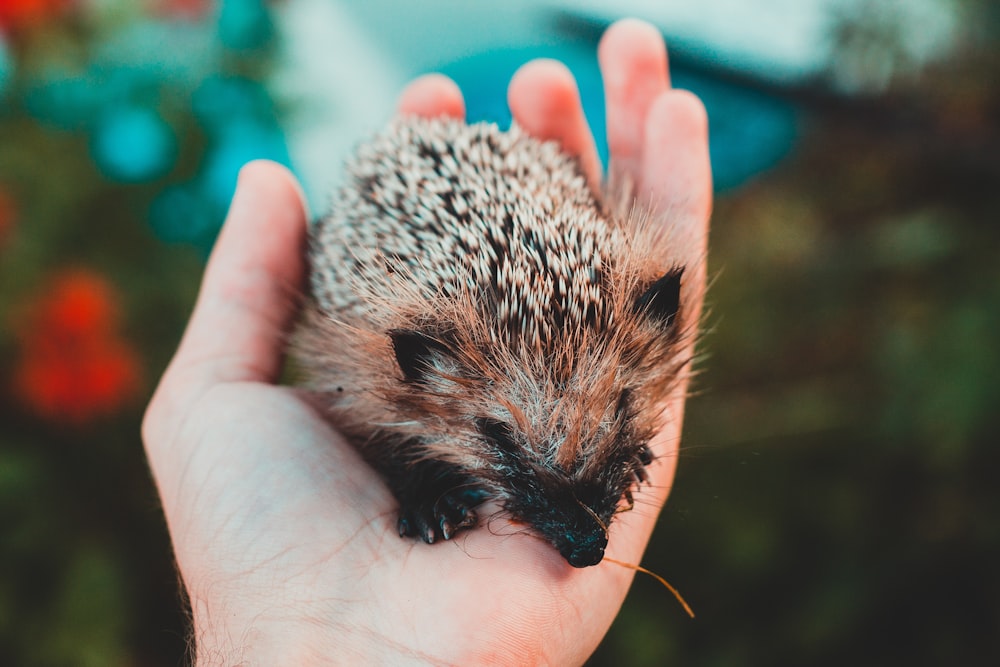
(284, 538)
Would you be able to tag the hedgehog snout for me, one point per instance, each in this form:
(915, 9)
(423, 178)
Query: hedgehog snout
(582, 540)
(579, 535)
(583, 550)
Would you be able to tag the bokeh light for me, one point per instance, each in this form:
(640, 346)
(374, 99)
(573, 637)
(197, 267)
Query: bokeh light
(6, 65)
(244, 24)
(183, 214)
(133, 144)
(64, 100)
(73, 364)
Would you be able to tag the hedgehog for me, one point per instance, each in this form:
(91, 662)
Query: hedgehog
(482, 325)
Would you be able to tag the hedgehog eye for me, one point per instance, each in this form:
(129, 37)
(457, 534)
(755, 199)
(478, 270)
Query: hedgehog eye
(663, 298)
(415, 352)
(498, 432)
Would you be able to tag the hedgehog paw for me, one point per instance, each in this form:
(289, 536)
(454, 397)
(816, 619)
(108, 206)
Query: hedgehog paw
(443, 517)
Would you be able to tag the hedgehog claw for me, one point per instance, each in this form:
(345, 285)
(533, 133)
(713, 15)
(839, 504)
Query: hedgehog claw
(435, 500)
(469, 519)
(454, 512)
(447, 530)
(450, 514)
(412, 524)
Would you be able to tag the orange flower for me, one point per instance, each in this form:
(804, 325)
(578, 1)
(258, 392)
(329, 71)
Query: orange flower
(16, 13)
(74, 366)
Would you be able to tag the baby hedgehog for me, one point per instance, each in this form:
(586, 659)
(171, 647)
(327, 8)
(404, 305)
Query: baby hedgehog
(484, 327)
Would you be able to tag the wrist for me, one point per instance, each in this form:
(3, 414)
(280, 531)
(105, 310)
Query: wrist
(248, 636)
(231, 635)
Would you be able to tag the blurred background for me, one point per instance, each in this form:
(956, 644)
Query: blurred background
(837, 498)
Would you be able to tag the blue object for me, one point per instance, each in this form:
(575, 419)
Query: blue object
(221, 99)
(180, 214)
(76, 100)
(244, 24)
(241, 141)
(133, 144)
(749, 131)
(67, 101)
(193, 212)
(146, 52)
(6, 65)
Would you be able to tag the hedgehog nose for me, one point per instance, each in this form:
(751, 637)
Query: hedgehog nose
(585, 552)
(585, 557)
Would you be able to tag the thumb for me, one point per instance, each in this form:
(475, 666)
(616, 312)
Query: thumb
(248, 300)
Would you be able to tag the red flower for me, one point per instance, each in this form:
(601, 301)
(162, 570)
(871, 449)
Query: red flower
(17, 13)
(74, 366)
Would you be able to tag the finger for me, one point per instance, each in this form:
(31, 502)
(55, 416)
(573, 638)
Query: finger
(676, 181)
(633, 60)
(676, 173)
(544, 100)
(430, 96)
(252, 285)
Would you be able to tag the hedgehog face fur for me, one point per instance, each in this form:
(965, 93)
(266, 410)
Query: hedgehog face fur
(484, 327)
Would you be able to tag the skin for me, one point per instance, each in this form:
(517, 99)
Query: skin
(285, 540)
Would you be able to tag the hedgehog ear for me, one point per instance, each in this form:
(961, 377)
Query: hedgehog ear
(663, 299)
(415, 352)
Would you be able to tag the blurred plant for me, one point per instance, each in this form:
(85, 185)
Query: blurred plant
(836, 498)
(183, 9)
(133, 144)
(16, 14)
(72, 363)
(6, 65)
(7, 217)
(244, 24)
(122, 127)
(873, 43)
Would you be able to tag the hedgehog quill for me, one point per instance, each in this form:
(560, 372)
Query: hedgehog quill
(482, 325)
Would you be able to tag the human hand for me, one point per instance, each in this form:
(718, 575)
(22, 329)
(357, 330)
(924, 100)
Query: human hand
(284, 538)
